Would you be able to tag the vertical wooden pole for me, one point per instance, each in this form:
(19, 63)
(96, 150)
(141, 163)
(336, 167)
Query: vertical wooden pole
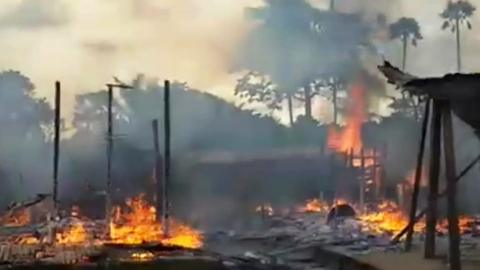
(56, 146)
(166, 177)
(108, 192)
(418, 177)
(450, 170)
(376, 182)
(435, 153)
(158, 185)
(362, 179)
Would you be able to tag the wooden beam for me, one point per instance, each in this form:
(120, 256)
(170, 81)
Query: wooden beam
(418, 176)
(450, 170)
(435, 153)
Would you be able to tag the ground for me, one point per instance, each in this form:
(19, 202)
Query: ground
(412, 261)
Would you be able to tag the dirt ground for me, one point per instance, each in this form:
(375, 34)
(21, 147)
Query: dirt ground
(410, 261)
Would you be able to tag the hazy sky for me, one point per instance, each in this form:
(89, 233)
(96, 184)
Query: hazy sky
(85, 42)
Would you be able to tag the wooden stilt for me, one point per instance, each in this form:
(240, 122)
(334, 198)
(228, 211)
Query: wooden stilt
(375, 177)
(158, 184)
(108, 191)
(450, 170)
(166, 167)
(56, 146)
(418, 177)
(435, 152)
(362, 178)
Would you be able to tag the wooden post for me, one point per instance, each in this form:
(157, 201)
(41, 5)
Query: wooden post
(56, 146)
(158, 184)
(166, 176)
(450, 170)
(375, 180)
(108, 191)
(435, 153)
(418, 177)
(362, 179)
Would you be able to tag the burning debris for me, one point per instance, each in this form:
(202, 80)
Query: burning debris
(137, 224)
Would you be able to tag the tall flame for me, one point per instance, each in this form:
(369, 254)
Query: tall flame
(350, 136)
(137, 224)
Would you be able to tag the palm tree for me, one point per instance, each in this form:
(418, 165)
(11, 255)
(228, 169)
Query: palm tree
(405, 29)
(455, 14)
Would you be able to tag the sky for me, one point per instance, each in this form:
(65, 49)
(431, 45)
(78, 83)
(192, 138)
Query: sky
(84, 43)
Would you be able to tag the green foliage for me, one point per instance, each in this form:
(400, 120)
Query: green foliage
(406, 28)
(461, 11)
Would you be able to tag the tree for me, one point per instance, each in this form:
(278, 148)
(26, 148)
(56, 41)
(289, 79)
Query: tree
(24, 119)
(329, 85)
(254, 88)
(284, 46)
(455, 14)
(405, 29)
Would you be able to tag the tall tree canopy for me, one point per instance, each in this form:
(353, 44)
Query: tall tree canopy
(454, 15)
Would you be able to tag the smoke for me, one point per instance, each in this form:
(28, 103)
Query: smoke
(85, 43)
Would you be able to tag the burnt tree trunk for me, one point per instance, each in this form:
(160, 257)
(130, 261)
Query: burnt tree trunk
(166, 166)
(158, 183)
(450, 170)
(405, 45)
(418, 177)
(435, 152)
(56, 146)
(459, 56)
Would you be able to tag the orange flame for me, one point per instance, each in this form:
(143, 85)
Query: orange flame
(350, 136)
(314, 206)
(388, 218)
(138, 225)
(465, 223)
(75, 235)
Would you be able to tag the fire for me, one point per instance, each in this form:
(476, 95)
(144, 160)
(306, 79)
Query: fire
(28, 240)
(18, 218)
(138, 224)
(466, 224)
(340, 201)
(388, 218)
(75, 235)
(314, 206)
(266, 209)
(350, 136)
(142, 256)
